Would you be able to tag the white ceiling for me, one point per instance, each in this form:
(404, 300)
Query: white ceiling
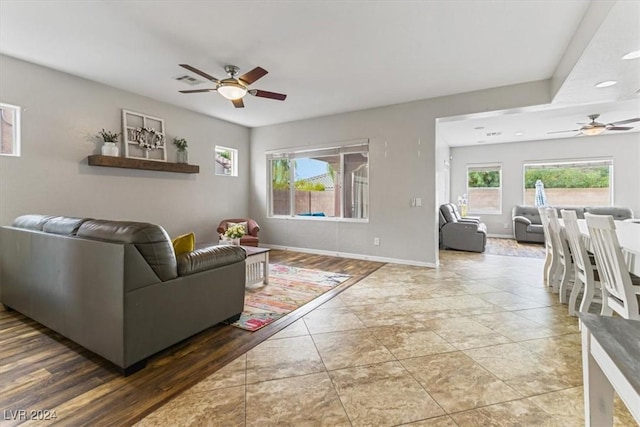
(329, 57)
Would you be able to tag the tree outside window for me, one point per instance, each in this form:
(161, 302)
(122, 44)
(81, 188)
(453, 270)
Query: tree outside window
(484, 188)
(575, 183)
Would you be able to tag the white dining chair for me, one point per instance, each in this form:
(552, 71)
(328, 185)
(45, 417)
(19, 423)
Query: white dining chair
(614, 275)
(561, 248)
(551, 270)
(585, 271)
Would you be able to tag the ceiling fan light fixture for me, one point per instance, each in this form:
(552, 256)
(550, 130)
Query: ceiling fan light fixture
(593, 130)
(232, 90)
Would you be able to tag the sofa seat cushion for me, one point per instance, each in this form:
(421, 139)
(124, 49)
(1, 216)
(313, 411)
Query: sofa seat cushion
(535, 228)
(208, 258)
(151, 240)
(248, 240)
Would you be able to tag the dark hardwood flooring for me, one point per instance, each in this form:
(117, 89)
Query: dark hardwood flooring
(42, 371)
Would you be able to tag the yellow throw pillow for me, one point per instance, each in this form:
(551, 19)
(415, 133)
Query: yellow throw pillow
(184, 244)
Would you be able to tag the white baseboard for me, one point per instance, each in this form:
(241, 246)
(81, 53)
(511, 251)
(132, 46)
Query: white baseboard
(353, 256)
(501, 236)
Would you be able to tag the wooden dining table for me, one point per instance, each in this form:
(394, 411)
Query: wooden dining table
(629, 238)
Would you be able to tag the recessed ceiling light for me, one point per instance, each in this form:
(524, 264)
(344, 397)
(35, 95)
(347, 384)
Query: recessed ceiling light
(632, 55)
(519, 133)
(606, 83)
(479, 127)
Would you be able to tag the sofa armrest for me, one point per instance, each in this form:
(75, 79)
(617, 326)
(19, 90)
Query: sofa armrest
(254, 228)
(463, 227)
(522, 220)
(209, 258)
(468, 219)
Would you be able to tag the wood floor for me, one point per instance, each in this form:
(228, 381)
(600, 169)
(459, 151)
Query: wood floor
(43, 371)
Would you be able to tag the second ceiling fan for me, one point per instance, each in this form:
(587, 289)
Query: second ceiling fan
(234, 89)
(595, 128)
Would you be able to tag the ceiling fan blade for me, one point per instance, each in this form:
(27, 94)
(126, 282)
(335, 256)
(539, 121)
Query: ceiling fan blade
(267, 94)
(238, 103)
(620, 128)
(253, 75)
(197, 90)
(624, 122)
(201, 73)
(564, 131)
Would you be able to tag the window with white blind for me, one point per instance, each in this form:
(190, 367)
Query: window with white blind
(484, 189)
(571, 182)
(320, 183)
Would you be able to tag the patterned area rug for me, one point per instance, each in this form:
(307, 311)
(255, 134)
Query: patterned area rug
(510, 247)
(288, 289)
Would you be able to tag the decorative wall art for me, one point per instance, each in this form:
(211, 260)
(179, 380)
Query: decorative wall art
(144, 136)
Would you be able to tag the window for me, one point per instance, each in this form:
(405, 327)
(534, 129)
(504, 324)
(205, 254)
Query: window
(226, 161)
(484, 188)
(328, 182)
(9, 130)
(581, 183)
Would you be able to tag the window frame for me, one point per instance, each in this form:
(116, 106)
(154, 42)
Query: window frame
(16, 134)
(315, 152)
(234, 160)
(484, 165)
(571, 162)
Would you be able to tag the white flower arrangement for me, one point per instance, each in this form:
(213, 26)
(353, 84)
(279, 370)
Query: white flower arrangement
(234, 232)
(147, 138)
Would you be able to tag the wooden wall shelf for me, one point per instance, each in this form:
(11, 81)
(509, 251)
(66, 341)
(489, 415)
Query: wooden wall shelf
(127, 163)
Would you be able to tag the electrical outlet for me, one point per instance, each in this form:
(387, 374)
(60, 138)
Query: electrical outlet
(376, 241)
(505, 225)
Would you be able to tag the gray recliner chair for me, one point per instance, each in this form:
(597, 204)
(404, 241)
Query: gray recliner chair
(463, 234)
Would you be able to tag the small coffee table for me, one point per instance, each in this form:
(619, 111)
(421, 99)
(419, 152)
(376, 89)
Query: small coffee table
(257, 265)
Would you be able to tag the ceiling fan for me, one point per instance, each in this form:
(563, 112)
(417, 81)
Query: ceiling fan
(594, 128)
(234, 89)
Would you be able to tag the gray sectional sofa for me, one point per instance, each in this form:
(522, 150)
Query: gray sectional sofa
(115, 287)
(527, 225)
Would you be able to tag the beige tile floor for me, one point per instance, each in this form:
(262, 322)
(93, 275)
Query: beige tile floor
(477, 342)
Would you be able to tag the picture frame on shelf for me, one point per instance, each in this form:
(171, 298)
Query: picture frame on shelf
(144, 136)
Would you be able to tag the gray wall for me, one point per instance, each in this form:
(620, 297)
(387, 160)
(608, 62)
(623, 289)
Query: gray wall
(403, 164)
(62, 113)
(623, 149)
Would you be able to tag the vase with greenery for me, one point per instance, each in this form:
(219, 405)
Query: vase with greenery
(109, 148)
(233, 234)
(182, 155)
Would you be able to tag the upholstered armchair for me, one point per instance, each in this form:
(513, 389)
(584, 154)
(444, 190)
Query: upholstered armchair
(463, 234)
(249, 239)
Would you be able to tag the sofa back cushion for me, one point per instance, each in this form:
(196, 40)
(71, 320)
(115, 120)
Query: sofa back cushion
(31, 221)
(618, 213)
(448, 214)
(64, 225)
(579, 210)
(151, 240)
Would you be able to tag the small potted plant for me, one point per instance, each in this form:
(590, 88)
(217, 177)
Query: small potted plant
(109, 148)
(182, 155)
